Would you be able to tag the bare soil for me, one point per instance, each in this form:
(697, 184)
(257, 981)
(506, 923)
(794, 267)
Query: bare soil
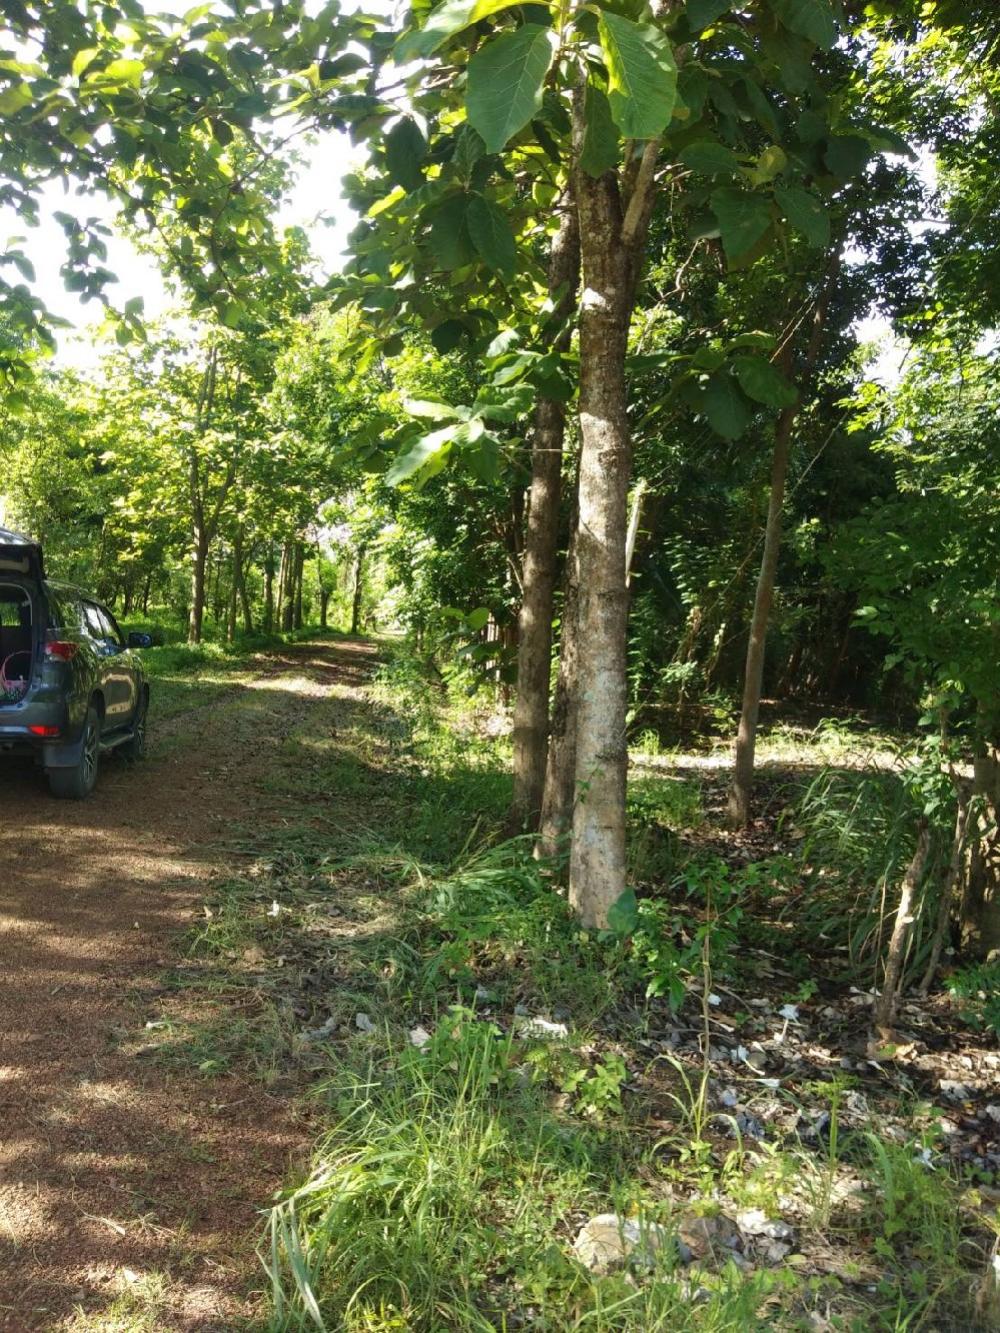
(113, 1167)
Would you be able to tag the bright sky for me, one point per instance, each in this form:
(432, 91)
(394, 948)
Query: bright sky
(314, 202)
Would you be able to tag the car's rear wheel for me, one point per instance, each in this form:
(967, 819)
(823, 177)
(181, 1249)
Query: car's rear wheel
(135, 746)
(76, 783)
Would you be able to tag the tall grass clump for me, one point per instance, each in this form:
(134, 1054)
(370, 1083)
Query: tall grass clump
(446, 1196)
(861, 828)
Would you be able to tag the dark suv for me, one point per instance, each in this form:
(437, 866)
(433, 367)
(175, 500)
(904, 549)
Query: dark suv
(70, 688)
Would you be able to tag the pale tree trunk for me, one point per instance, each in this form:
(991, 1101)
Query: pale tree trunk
(359, 588)
(741, 792)
(231, 609)
(288, 586)
(534, 655)
(300, 564)
(560, 768)
(199, 560)
(269, 589)
(885, 1006)
(612, 233)
(241, 573)
(980, 913)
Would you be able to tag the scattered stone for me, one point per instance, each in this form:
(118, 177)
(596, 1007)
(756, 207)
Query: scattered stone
(540, 1028)
(324, 1031)
(709, 1238)
(363, 1023)
(727, 1097)
(953, 1090)
(755, 1222)
(419, 1037)
(789, 1012)
(608, 1242)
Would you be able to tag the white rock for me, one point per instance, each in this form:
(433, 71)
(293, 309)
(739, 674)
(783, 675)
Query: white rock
(607, 1242)
(755, 1222)
(790, 1012)
(540, 1027)
(363, 1023)
(419, 1037)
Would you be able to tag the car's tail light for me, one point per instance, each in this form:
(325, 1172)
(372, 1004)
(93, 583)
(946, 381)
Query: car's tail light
(44, 731)
(64, 650)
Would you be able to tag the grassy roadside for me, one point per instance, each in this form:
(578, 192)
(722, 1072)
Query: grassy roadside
(487, 1077)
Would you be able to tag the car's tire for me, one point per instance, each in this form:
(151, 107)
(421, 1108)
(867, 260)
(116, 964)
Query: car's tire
(135, 747)
(76, 783)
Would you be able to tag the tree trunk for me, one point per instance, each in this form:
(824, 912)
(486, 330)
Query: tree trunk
(359, 589)
(145, 594)
(741, 793)
(534, 656)
(885, 1005)
(231, 609)
(288, 587)
(560, 768)
(324, 606)
(241, 561)
(199, 559)
(746, 740)
(981, 899)
(300, 564)
(269, 590)
(597, 854)
(951, 886)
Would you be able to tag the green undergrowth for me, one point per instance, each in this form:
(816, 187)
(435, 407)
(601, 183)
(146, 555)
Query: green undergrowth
(488, 1075)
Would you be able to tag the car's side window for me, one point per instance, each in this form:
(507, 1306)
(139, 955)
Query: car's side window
(99, 628)
(113, 631)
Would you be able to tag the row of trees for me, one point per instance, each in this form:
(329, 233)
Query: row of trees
(593, 349)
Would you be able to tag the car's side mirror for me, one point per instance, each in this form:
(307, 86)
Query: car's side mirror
(139, 639)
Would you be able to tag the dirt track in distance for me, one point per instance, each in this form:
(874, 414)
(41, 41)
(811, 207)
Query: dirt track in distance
(114, 1169)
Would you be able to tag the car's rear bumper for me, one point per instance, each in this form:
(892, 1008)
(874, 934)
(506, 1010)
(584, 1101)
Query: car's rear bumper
(16, 736)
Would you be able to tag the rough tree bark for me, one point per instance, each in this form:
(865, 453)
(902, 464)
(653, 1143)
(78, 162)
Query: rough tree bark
(741, 792)
(560, 767)
(359, 588)
(534, 656)
(234, 595)
(288, 586)
(269, 589)
(612, 235)
(980, 912)
(885, 1006)
(300, 565)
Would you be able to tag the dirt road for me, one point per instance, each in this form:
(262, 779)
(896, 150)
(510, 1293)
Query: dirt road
(117, 1172)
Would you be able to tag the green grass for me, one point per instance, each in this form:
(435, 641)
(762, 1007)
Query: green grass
(450, 1180)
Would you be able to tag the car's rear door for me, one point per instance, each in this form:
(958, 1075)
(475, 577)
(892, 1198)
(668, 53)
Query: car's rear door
(115, 672)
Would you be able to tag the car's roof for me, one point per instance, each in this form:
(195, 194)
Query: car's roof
(11, 538)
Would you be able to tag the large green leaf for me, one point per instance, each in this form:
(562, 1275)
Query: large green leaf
(764, 382)
(743, 220)
(419, 454)
(847, 155)
(445, 21)
(805, 212)
(809, 18)
(642, 76)
(405, 148)
(600, 139)
(701, 13)
(505, 83)
(449, 239)
(727, 410)
(710, 158)
(623, 914)
(491, 235)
